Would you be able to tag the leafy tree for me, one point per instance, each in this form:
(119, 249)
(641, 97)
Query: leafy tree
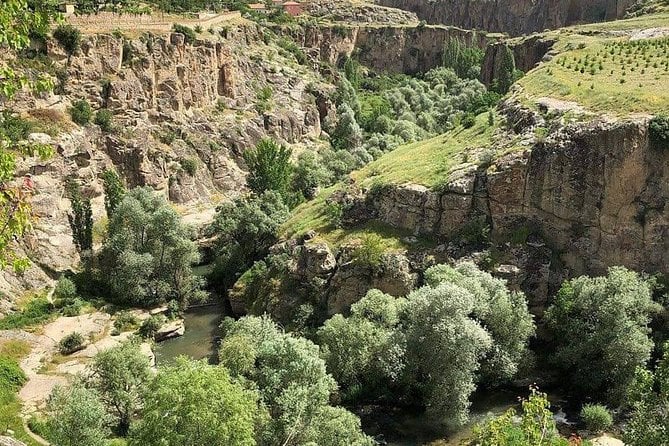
(649, 399)
(507, 72)
(352, 71)
(309, 174)
(658, 131)
(150, 252)
(443, 365)
(17, 22)
(346, 94)
(503, 313)
(269, 167)
(194, 404)
(347, 134)
(292, 381)
(68, 37)
(120, 375)
(534, 426)
(81, 218)
(114, 191)
(465, 60)
(600, 330)
(77, 417)
(245, 230)
(365, 350)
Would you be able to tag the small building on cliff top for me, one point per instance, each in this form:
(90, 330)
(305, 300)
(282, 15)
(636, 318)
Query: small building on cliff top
(292, 8)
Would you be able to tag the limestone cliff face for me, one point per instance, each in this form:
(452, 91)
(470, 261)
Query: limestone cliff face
(514, 17)
(392, 49)
(595, 194)
(527, 53)
(172, 101)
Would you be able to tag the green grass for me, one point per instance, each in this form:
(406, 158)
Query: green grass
(10, 406)
(427, 162)
(634, 79)
(36, 311)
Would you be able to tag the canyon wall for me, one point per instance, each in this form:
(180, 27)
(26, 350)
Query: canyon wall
(514, 17)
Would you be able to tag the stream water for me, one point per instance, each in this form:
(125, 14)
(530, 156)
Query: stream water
(199, 340)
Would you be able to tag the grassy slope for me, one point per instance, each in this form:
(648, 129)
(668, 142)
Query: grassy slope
(636, 81)
(430, 161)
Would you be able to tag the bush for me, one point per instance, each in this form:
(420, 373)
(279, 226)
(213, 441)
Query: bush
(71, 343)
(13, 127)
(103, 118)
(11, 375)
(68, 37)
(596, 417)
(81, 112)
(658, 132)
(38, 310)
(65, 289)
(370, 251)
(150, 326)
(189, 165)
(468, 120)
(189, 34)
(125, 321)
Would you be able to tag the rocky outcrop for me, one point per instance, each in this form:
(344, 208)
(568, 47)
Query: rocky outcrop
(392, 49)
(8, 441)
(594, 194)
(169, 330)
(359, 13)
(514, 17)
(527, 53)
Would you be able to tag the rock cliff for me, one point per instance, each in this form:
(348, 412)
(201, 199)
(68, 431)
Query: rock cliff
(174, 104)
(593, 192)
(514, 17)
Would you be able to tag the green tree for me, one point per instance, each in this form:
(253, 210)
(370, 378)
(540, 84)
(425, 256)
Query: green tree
(68, 37)
(364, 351)
(120, 375)
(114, 191)
(292, 381)
(195, 404)
(150, 252)
(507, 72)
(534, 426)
(269, 167)
(347, 134)
(245, 230)
(503, 313)
(309, 174)
(81, 218)
(76, 417)
(600, 331)
(17, 22)
(465, 60)
(648, 398)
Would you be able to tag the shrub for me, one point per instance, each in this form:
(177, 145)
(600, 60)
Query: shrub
(150, 326)
(65, 289)
(468, 120)
(189, 165)
(13, 127)
(68, 37)
(189, 34)
(103, 118)
(125, 321)
(11, 375)
(36, 311)
(73, 308)
(198, 29)
(81, 112)
(369, 252)
(71, 343)
(596, 417)
(658, 132)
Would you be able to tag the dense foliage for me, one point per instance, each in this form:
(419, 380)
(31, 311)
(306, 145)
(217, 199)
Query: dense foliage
(150, 252)
(649, 399)
(81, 218)
(293, 384)
(245, 230)
(269, 167)
(533, 426)
(600, 331)
(194, 404)
(410, 344)
(658, 132)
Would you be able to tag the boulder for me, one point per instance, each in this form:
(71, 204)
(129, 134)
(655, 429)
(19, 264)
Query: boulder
(170, 329)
